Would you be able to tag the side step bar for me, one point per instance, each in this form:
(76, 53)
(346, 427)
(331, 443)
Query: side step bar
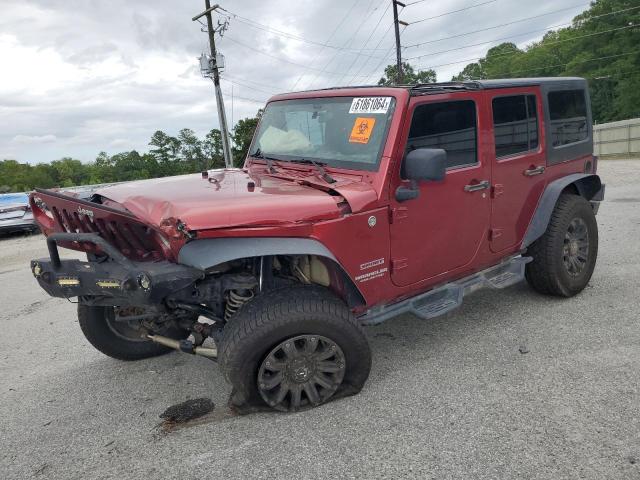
(448, 297)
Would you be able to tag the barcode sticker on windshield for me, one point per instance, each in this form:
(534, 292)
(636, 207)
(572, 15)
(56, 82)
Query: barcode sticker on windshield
(370, 105)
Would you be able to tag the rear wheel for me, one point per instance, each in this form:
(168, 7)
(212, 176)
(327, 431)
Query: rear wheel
(292, 349)
(116, 339)
(565, 256)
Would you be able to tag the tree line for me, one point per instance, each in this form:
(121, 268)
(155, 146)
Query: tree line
(601, 44)
(167, 155)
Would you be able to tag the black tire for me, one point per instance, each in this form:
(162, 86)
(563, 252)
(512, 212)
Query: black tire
(280, 315)
(97, 325)
(562, 265)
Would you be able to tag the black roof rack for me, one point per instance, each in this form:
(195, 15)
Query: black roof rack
(470, 85)
(426, 88)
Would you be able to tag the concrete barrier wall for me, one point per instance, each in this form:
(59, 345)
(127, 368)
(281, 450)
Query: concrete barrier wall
(620, 139)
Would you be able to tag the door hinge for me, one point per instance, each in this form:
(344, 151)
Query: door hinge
(398, 213)
(497, 190)
(399, 264)
(495, 233)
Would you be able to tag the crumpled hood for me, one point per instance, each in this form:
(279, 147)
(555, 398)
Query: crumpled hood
(232, 198)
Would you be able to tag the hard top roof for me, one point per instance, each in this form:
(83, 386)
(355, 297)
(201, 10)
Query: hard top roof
(425, 88)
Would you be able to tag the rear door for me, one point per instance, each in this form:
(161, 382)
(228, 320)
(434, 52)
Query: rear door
(518, 164)
(441, 231)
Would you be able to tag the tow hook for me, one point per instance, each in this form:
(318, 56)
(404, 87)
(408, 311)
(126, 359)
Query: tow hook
(185, 346)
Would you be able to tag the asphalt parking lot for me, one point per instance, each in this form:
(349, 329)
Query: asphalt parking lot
(454, 397)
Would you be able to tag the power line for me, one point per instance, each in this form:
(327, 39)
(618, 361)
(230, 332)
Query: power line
(413, 3)
(347, 43)
(508, 54)
(389, 54)
(453, 11)
(259, 84)
(569, 63)
(335, 30)
(241, 84)
(365, 43)
(247, 99)
(605, 75)
(268, 28)
(281, 59)
(384, 57)
(494, 27)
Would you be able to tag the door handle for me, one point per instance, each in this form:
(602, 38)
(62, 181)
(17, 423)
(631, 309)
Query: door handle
(534, 171)
(474, 187)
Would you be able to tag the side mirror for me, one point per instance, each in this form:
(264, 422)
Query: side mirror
(422, 164)
(426, 164)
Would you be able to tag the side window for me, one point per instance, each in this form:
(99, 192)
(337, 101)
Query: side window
(447, 125)
(568, 113)
(515, 124)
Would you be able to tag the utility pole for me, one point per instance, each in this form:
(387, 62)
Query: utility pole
(397, 23)
(222, 116)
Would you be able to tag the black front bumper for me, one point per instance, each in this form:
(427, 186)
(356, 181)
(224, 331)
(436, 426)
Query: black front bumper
(113, 280)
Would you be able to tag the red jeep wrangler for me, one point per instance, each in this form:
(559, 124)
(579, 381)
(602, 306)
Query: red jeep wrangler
(354, 205)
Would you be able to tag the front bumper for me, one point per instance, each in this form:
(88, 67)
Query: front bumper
(114, 280)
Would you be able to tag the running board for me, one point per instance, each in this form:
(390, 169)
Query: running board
(448, 297)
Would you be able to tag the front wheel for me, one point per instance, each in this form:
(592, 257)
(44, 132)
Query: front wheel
(116, 339)
(565, 256)
(292, 349)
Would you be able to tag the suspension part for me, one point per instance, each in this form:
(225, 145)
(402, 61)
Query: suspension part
(235, 300)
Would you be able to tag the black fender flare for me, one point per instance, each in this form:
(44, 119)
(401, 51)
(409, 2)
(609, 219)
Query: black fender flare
(588, 185)
(206, 253)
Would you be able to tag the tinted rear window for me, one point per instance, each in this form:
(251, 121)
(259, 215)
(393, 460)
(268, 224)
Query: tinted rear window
(568, 113)
(515, 122)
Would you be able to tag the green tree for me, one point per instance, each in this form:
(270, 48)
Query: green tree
(166, 152)
(212, 149)
(242, 136)
(600, 45)
(70, 172)
(409, 75)
(191, 151)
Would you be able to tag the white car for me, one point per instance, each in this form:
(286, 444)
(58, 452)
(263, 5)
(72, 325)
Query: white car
(15, 213)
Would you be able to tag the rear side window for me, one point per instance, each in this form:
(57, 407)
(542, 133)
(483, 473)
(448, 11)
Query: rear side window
(447, 125)
(568, 113)
(515, 124)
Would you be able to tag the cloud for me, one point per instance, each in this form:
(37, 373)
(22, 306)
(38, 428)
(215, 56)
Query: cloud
(106, 74)
(34, 139)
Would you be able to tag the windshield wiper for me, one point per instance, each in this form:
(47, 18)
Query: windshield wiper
(258, 154)
(319, 166)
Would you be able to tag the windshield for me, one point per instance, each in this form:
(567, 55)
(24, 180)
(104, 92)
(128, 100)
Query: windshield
(346, 132)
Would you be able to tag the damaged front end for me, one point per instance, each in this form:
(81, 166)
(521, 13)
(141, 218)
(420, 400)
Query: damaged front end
(111, 279)
(131, 272)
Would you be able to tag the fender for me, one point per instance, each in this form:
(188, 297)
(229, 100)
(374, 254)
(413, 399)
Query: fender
(587, 185)
(206, 253)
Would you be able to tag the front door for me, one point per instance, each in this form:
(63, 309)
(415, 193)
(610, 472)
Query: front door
(519, 165)
(442, 230)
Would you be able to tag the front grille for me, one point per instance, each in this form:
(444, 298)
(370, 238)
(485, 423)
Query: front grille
(136, 240)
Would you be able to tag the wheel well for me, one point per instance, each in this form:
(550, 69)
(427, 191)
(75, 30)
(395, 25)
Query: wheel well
(283, 270)
(571, 189)
(586, 187)
(326, 272)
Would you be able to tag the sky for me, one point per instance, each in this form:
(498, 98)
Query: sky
(82, 76)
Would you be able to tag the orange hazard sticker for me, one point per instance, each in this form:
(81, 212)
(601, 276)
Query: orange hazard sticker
(361, 130)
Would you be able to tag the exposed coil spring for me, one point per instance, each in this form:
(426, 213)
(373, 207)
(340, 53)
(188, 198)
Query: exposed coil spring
(235, 299)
